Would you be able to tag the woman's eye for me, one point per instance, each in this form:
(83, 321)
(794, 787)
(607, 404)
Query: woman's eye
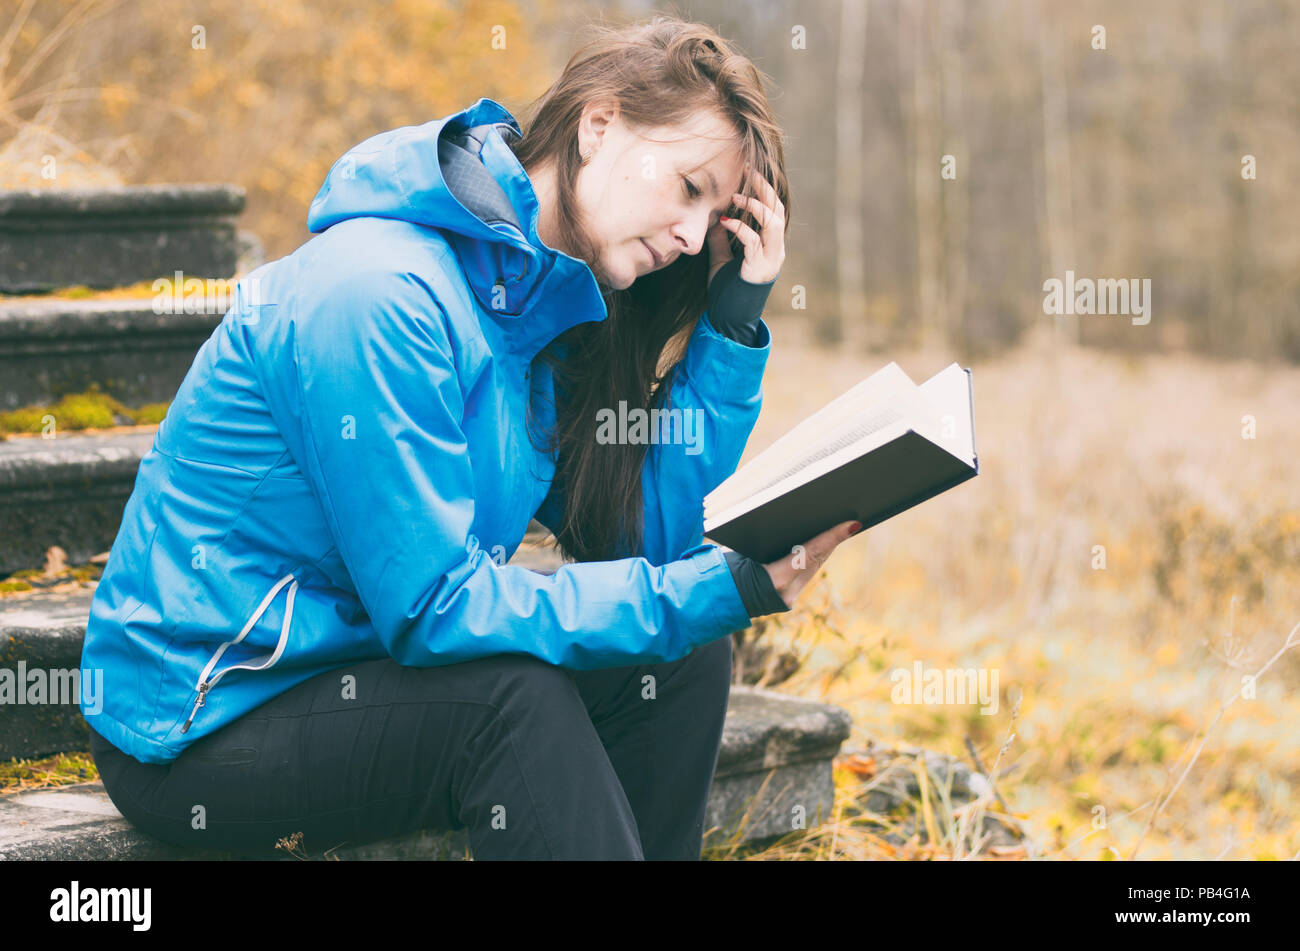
(691, 190)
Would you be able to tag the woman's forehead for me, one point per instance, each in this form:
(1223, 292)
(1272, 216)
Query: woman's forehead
(721, 161)
(704, 134)
(717, 147)
(703, 144)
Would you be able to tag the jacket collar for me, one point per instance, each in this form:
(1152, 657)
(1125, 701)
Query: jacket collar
(532, 291)
(535, 291)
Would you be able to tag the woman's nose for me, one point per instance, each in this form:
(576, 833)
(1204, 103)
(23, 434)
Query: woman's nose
(689, 235)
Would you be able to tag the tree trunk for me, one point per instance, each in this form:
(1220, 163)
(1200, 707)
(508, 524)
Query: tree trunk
(850, 252)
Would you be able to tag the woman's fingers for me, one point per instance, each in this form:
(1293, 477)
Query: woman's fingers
(767, 192)
(761, 264)
(719, 248)
(747, 235)
(792, 573)
(820, 547)
(762, 212)
(765, 251)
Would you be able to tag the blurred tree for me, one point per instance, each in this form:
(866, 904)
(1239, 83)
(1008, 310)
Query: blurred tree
(849, 249)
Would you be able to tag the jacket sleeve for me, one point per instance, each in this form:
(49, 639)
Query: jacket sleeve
(720, 382)
(379, 437)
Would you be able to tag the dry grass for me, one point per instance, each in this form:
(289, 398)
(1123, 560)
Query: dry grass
(1126, 675)
(62, 769)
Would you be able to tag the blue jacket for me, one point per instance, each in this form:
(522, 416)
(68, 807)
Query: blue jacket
(344, 470)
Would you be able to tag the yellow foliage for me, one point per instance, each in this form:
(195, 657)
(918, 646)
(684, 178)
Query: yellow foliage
(306, 78)
(117, 98)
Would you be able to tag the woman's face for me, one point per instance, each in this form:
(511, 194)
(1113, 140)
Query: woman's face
(660, 189)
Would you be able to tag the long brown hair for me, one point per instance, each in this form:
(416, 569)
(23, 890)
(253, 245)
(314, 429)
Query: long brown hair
(661, 72)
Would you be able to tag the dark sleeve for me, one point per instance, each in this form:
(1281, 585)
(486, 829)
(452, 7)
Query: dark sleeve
(755, 586)
(735, 305)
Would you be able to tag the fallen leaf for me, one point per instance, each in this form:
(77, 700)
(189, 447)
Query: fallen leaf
(858, 765)
(56, 561)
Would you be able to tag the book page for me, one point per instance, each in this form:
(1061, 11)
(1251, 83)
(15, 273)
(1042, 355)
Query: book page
(843, 414)
(949, 392)
(717, 515)
(939, 409)
(875, 421)
(904, 410)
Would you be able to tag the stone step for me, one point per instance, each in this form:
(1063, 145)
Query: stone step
(115, 236)
(68, 490)
(774, 771)
(132, 349)
(80, 823)
(43, 630)
(775, 765)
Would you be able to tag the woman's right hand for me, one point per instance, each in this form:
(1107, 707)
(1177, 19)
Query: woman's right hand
(792, 572)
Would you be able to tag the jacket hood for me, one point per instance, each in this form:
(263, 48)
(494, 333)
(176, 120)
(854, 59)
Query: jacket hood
(459, 175)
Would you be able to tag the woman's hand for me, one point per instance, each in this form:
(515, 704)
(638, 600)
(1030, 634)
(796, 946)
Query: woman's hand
(793, 572)
(765, 249)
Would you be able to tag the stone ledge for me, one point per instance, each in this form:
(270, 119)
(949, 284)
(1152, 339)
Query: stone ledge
(68, 491)
(774, 771)
(112, 237)
(43, 630)
(51, 348)
(773, 729)
(38, 326)
(214, 199)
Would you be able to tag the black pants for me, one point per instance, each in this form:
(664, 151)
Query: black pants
(536, 761)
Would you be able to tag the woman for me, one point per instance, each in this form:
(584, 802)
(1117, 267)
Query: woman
(345, 467)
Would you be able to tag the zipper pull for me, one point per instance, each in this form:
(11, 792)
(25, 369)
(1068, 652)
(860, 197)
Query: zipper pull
(203, 692)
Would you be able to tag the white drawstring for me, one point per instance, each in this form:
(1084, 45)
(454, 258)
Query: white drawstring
(205, 684)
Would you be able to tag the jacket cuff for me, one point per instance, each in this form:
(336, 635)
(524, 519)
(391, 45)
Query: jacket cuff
(712, 356)
(729, 607)
(754, 582)
(735, 305)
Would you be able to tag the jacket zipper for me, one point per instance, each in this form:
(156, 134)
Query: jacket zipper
(207, 680)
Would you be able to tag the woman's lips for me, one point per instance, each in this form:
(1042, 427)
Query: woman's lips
(654, 258)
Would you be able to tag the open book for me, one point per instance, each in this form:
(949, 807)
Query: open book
(881, 448)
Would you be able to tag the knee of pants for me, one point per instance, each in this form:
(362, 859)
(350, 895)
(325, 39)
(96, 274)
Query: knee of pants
(711, 661)
(525, 682)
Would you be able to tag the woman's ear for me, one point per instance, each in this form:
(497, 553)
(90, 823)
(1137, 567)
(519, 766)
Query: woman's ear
(597, 117)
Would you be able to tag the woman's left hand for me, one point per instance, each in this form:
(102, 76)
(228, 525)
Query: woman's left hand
(765, 249)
